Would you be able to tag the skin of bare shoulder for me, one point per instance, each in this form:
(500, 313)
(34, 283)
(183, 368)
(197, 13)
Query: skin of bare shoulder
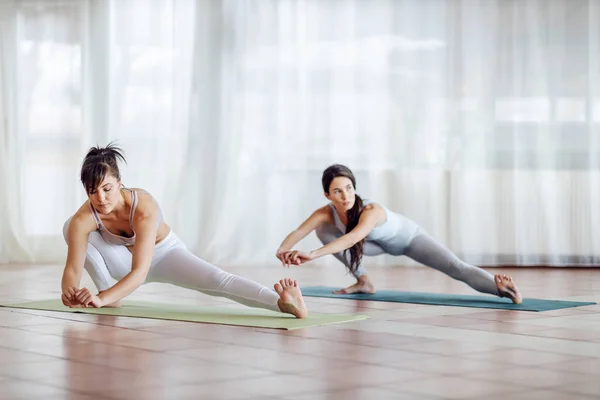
(146, 208)
(82, 220)
(374, 207)
(327, 214)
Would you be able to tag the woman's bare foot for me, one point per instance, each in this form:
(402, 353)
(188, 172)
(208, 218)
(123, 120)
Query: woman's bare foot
(507, 288)
(290, 298)
(363, 285)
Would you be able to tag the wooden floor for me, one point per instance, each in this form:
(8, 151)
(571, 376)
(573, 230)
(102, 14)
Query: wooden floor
(403, 351)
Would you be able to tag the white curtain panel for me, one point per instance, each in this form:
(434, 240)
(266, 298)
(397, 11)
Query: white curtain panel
(477, 119)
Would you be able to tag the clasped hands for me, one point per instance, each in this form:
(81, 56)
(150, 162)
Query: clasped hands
(294, 257)
(80, 298)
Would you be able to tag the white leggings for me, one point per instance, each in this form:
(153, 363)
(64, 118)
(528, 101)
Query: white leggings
(173, 263)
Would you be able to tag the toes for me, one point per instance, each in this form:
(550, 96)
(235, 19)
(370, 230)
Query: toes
(278, 288)
(295, 283)
(503, 278)
(283, 283)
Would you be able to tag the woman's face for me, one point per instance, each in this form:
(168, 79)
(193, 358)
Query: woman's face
(106, 196)
(341, 193)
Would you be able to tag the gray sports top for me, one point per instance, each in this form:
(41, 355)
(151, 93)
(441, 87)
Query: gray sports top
(393, 235)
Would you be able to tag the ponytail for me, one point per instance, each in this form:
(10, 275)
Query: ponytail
(356, 251)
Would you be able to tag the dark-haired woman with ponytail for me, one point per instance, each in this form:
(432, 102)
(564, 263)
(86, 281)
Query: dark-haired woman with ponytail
(350, 227)
(119, 233)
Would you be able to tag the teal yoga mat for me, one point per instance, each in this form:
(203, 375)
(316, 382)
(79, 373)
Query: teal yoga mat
(456, 300)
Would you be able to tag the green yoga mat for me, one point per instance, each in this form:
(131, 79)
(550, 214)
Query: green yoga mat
(456, 300)
(253, 317)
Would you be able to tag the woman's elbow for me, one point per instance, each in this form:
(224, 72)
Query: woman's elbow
(139, 278)
(352, 241)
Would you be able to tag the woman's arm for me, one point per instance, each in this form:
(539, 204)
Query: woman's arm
(316, 219)
(144, 226)
(78, 231)
(371, 216)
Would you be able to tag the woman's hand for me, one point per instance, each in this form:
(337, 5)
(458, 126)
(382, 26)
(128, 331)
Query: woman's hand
(304, 256)
(68, 298)
(296, 257)
(288, 258)
(281, 255)
(88, 299)
(284, 257)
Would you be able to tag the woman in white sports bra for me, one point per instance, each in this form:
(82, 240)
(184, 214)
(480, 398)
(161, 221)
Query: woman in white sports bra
(119, 233)
(349, 227)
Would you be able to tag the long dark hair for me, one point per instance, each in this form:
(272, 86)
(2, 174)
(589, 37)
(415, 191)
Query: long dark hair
(98, 162)
(353, 214)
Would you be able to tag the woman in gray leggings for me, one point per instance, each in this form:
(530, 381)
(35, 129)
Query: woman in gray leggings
(350, 227)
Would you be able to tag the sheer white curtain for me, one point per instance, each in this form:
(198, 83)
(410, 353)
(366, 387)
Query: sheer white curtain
(477, 119)
(80, 73)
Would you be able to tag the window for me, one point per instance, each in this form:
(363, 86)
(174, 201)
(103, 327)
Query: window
(49, 56)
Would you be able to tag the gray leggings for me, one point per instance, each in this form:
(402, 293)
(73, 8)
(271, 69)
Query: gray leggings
(425, 250)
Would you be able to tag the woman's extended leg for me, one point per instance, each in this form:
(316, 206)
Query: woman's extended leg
(426, 250)
(181, 268)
